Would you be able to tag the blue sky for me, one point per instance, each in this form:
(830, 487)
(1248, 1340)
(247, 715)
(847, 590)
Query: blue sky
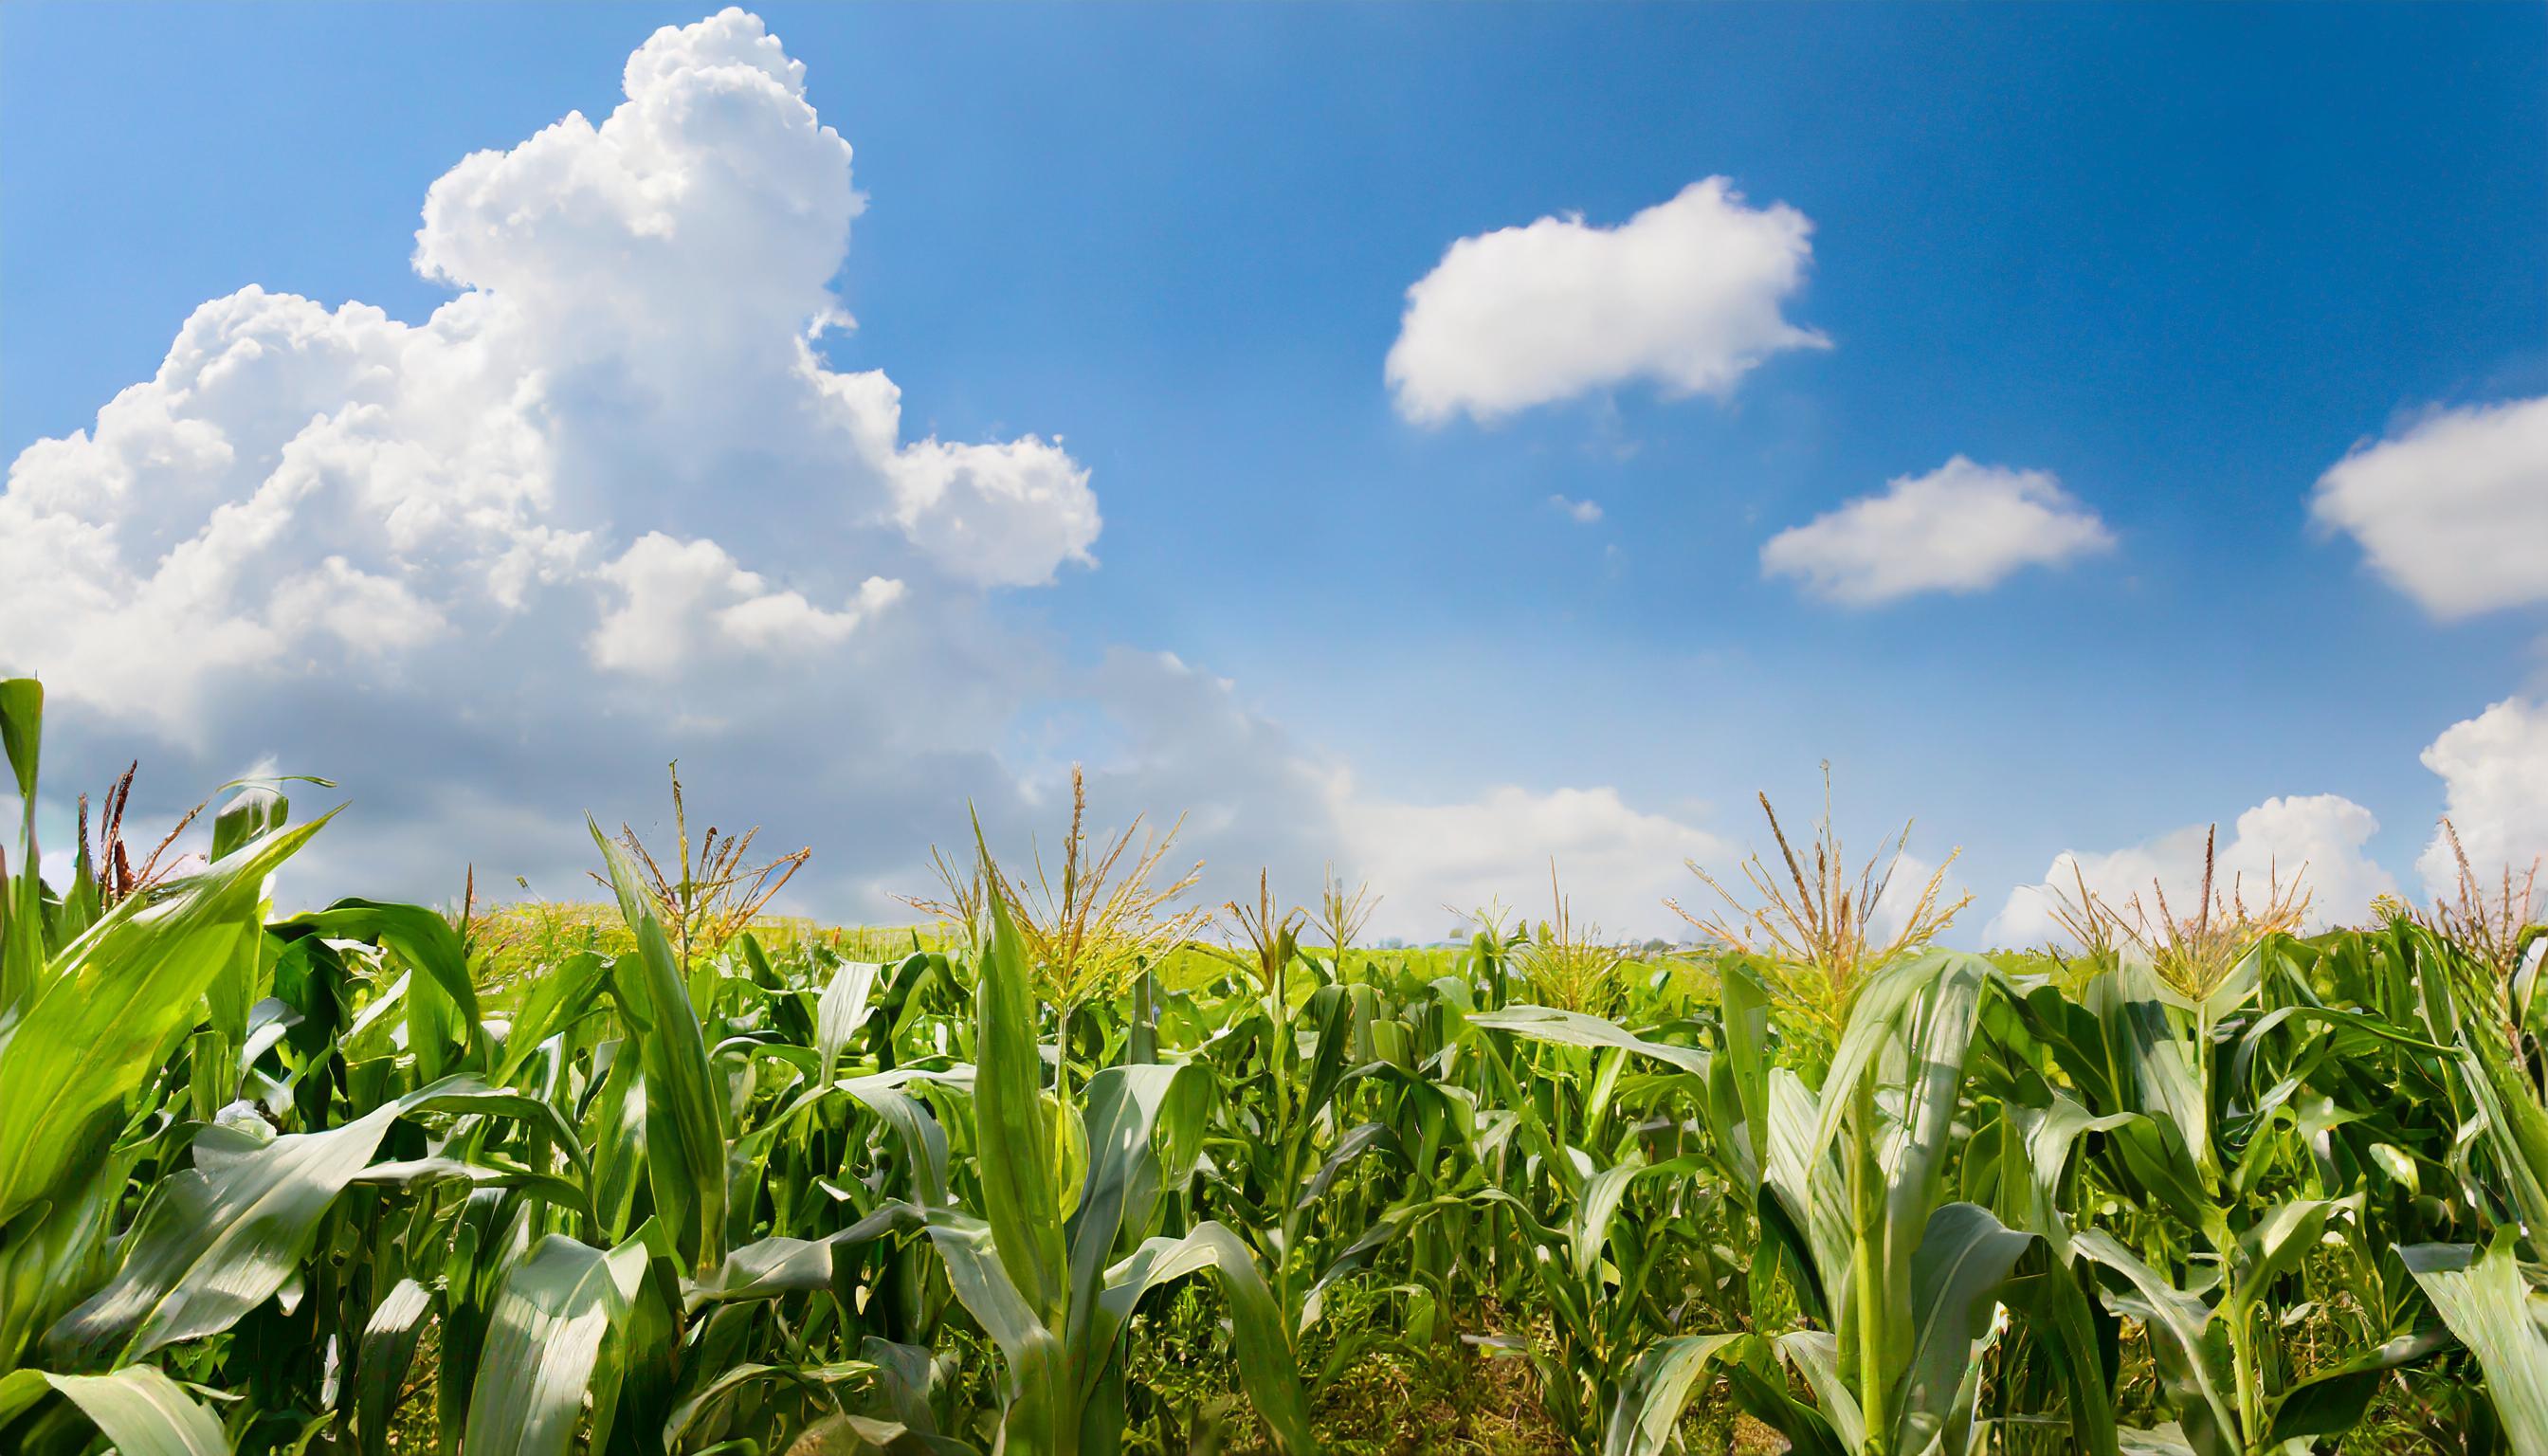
(2183, 260)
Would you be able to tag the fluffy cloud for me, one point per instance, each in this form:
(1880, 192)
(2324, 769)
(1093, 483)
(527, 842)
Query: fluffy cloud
(2495, 778)
(680, 601)
(609, 507)
(2452, 508)
(1961, 527)
(2318, 838)
(298, 487)
(1688, 294)
(1582, 512)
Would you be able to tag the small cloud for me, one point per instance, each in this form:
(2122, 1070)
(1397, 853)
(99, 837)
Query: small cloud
(1688, 294)
(2451, 509)
(1582, 512)
(1961, 527)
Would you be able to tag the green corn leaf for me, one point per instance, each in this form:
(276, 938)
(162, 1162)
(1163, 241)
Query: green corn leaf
(2487, 1304)
(220, 1243)
(1815, 1355)
(1588, 1232)
(139, 1408)
(1938, 1035)
(22, 894)
(2150, 1062)
(235, 1229)
(468, 1095)
(2275, 1245)
(2332, 1400)
(1652, 1398)
(1966, 1256)
(2183, 1339)
(1361, 1140)
(2049, 1296)
(1742, 1127)
(769, 1267)
(683, 1103)
(1021, 1187)
(2516, 1128)
(60, 1250)
(1125, 1106)
(110, 1008)
(1331, 1010)
(1809, 1184)
(381, 1361)
(1266, 1368)
(1657, 1391)
(443, 1003)
(233, 993)
(544, 1342)
(1784, 1245)
(1575, 1029)
(1040, 1406)
(563, 993)
(905, 1374)
(924, 1141)
(842, 1011)
(816, 1380)
(2029, 1182)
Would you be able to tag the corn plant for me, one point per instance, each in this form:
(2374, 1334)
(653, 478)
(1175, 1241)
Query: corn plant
(1050, 1176)
(1054, 1278)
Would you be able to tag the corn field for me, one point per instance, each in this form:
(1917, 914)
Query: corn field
(304, 1183)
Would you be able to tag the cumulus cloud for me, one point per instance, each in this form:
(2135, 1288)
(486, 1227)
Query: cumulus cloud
(2494, 779)
(298, 487)
(2451, 508)
(2319, 838)
(1688, 294)
(1582, 512)
(679, 600)
(1961, 527)
(609, 506)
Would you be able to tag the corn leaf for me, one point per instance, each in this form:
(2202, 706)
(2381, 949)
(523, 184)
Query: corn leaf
(2504, 1322)
(545, 1341)
(138, 1408)
(683, 1105)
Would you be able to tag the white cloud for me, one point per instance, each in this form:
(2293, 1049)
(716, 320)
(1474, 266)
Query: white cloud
(2495, 778)
(1961, 527)
(1005, 515)
(609, 506)
(1615, 862)
(1253, 796)
(1582, 512)
(298, 487)
(371, 614)
(2319, 838)
(681, 599)
(2452, 508)
(1688, 294)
